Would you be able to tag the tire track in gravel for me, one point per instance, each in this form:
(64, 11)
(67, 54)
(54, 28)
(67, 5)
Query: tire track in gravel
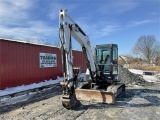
(71, 114)
(45, 106)
(33, 110)
(95, 112)
(41, 95)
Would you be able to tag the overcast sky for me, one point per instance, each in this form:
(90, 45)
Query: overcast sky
(104, 21)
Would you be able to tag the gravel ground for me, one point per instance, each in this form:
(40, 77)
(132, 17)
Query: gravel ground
(138, 103)
(141, 101)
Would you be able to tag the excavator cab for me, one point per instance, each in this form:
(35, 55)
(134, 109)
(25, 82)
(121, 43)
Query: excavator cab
(105, 87)
(106, 60)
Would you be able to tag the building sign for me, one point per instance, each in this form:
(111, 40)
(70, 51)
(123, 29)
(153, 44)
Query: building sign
(47, 60)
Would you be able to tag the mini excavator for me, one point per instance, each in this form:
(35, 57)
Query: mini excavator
(101, 85)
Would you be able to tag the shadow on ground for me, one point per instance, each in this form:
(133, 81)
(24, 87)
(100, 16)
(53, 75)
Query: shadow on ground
(148, 94)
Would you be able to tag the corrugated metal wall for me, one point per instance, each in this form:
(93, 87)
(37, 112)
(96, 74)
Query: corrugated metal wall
(19, 63)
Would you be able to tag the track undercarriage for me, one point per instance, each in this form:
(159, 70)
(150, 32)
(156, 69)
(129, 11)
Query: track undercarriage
(107, 95)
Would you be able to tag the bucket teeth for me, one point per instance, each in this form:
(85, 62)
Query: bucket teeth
(70, 103)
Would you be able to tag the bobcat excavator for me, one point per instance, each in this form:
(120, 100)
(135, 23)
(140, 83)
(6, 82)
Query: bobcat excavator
(101, 83)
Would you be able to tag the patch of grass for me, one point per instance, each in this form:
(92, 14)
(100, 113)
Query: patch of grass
(151, 68)
(146, 68)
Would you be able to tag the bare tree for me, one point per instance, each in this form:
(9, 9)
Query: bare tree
(56, 43)
(157, 57)
(146, 48)
(47, 42)
(43, 41)
(40, 40)
(28, 40)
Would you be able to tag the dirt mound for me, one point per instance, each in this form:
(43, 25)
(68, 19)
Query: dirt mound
(125, 76)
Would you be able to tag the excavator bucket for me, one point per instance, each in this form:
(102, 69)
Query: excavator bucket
(95, 96)
(70, 102)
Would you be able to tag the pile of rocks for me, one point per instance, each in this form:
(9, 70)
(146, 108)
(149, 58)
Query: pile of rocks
(128, 78)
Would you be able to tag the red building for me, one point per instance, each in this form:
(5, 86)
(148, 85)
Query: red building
(20, 63)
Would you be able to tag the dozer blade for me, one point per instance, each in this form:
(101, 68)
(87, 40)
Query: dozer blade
(70, 103)
(95, 96)
(109, 96)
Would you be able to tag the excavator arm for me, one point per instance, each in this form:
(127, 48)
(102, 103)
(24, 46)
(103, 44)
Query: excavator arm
(67, 29)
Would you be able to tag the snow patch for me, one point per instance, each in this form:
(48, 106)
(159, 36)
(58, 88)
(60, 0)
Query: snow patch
(30, 86)
(135, 71)
(33, 85)
(148, 78)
